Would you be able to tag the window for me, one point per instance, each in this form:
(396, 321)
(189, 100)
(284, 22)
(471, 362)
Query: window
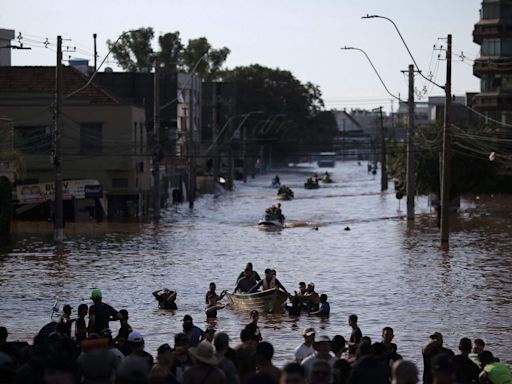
(119, 182)
(490, 11)
(35, 139)
(491, 47)
(91, 137)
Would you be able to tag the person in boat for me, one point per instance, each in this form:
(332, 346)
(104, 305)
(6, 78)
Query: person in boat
(166, 299)
(253, 272)
(245, 283)
(268, 282)
(279, 213)
(324, 308)
(311, 298)
(276, 180)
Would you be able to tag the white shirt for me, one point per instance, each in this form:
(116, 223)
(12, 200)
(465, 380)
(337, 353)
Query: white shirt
(303, 351)
(309, 361)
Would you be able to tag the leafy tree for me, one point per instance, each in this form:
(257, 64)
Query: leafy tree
(208, 68)
(133, 51)
(170, 49)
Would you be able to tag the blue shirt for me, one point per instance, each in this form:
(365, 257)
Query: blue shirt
(195, 336)
(325, 308)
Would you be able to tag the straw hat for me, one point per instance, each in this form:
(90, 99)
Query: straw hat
(205, 353)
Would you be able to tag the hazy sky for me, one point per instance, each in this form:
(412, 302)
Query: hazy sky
(298, 35)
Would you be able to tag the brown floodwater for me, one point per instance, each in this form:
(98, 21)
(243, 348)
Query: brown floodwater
(387, 271)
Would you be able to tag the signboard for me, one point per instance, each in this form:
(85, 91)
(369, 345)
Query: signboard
(38, 193)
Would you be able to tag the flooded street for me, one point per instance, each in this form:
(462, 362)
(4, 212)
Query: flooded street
(387, 272)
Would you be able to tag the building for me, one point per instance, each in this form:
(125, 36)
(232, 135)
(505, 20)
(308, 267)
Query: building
(103, 140)
(493, 33)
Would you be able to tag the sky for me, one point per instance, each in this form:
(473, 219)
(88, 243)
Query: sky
(301, 36)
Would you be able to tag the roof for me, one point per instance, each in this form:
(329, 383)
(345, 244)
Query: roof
(41, 80)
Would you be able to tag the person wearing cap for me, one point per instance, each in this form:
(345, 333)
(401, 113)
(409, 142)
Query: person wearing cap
(311, 298)
(100, 313)
(194, 333)
(433, 348)
(249, 268)
(136, 342)
(137, 365)
(221, 343)
(66, 319)
(205, 370)
(306, 348)
(268, 282)
(322, 348)
(466, 372)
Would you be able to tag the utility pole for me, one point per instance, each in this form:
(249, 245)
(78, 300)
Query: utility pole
(446, 176)
(383, 171)
(190, 149)
(94, 35)
(156, 141)
(215, 132)
(410, 149)
(58, 222)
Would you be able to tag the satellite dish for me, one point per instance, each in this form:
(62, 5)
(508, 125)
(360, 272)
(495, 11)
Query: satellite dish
(109, 70)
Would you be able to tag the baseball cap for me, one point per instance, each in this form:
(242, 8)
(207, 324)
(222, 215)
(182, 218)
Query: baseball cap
(135, 337)
(67, 307)
(187, 318)
(96, 294)
(309, 331)
(436, 335)
(312, 284)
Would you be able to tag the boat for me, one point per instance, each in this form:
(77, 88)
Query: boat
(284, 196)
(311, 183)
(271, 300)
(268, 222)
(327, 179)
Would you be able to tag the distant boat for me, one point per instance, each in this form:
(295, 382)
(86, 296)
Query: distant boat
(271, 300)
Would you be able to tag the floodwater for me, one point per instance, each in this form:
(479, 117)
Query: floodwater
(387, 271)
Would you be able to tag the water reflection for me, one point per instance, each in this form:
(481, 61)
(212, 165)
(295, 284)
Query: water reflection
(386, 269)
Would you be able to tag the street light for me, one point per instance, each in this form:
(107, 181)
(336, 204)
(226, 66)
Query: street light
(376, 72)
(405, 44)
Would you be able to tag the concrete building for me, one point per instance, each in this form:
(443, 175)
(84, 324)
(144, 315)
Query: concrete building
(493, 33)
(103, 139)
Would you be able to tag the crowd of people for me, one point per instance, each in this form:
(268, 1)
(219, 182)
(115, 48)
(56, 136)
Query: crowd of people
(84, 350)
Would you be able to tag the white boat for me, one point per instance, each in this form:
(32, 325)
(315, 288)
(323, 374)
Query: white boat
(267, 222)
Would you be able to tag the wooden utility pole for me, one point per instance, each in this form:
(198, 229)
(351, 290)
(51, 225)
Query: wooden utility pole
(156, 142)
(215, 132)
(446, 175)
(58, 221)
(95, 51)
(410, 149)
(383, 170)
(190, 149)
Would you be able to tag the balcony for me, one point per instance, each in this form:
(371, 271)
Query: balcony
(492, 65)
(492, 28)
(493, 101)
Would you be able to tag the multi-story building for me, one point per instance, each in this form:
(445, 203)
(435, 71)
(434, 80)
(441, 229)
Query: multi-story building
(103, 140)
(494, 66)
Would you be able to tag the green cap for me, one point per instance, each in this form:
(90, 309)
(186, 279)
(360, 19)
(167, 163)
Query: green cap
(96, 294)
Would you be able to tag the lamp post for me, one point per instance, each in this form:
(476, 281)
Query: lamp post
(446, 154)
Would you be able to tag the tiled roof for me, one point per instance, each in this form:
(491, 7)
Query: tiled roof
(41, 80)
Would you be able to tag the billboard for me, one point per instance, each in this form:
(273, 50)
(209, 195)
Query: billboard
(38, 193)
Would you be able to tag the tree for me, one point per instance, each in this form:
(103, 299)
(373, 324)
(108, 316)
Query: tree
(208, 68)
(170, 50)
(133, 51)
